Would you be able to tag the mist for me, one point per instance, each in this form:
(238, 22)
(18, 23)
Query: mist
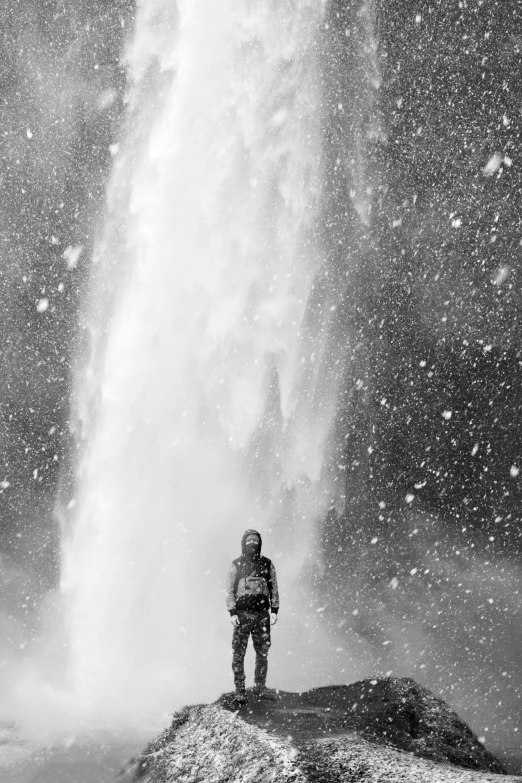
(260, 270)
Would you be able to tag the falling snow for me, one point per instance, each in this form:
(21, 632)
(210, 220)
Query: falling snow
(260, 265)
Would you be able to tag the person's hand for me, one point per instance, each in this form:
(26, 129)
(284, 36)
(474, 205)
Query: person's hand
(234, 619)
(273, 618)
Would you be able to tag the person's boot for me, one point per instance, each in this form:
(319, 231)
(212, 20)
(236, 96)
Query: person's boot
(262, 692)
(240, 696)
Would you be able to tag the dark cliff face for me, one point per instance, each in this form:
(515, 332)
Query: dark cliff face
(431, 410)
(60, 102)
(449, 231)
(434, 385)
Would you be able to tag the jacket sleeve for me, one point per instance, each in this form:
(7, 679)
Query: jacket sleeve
(230, 593)
(274, 591)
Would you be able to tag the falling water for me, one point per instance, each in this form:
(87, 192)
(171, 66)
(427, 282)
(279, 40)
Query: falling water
(200, 397)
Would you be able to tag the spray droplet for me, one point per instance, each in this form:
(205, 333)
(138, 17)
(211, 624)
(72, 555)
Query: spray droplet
(72, 255)
(492, 165)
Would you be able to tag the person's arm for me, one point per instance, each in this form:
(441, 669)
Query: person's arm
(274, 591)
(230, 590)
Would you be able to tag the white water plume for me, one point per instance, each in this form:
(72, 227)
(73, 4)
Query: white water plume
(203, 276)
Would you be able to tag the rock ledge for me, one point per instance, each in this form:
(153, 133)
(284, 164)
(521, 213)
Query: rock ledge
(375, 730)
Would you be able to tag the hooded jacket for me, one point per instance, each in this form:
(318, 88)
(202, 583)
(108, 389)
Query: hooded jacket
(252, 582)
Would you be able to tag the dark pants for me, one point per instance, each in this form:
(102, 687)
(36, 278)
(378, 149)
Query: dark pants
(257, 624)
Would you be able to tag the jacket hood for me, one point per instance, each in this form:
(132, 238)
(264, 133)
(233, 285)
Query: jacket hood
(250, 532)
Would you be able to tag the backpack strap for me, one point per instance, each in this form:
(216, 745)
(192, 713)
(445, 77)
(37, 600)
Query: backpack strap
(240, 567)
(268, 565)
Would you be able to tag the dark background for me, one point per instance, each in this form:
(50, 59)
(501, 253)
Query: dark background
(423, 554)
(61, 86)
(435, 300)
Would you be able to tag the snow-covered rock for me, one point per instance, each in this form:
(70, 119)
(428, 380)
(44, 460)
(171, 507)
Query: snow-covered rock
(374, 730)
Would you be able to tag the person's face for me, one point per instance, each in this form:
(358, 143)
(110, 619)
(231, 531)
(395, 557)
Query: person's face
(252, 545)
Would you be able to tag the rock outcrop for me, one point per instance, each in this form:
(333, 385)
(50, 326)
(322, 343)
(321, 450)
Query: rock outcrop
(374, 730)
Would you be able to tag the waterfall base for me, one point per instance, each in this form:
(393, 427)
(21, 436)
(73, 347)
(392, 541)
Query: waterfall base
(65, 758)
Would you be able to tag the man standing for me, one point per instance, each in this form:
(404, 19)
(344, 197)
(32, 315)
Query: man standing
(253, 602)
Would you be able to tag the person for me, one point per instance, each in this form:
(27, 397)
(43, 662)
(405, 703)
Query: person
(252, 599)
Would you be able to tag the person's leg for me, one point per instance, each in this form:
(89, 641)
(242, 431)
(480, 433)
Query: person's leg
(239, 646)
(261, 640)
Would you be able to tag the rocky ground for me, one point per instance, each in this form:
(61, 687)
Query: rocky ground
(374, 730)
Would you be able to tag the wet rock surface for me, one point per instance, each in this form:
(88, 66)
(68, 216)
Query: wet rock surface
(387, 729)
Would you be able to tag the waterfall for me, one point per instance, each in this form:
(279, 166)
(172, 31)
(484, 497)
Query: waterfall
(301, 314)
(202, 400)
